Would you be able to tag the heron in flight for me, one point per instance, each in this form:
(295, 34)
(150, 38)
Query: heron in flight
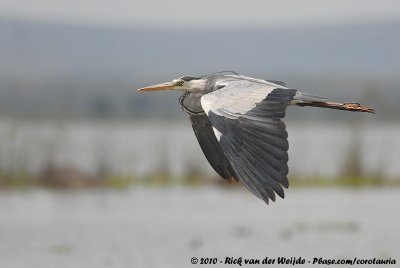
(237, 122)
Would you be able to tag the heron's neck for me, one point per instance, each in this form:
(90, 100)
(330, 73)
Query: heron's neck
(196, 86)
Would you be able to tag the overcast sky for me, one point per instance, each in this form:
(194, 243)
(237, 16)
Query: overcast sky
(204, 13)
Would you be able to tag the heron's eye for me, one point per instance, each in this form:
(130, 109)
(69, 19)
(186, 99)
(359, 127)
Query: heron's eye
(180, 83)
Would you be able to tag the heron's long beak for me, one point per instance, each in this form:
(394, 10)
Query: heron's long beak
(163, 86)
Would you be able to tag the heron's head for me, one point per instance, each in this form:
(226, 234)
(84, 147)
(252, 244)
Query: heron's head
(184, 83)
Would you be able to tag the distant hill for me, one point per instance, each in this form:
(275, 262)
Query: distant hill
(49, 69)
(44, 48)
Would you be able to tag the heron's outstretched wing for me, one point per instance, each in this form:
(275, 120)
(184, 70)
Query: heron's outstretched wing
(245, 115)
(209, 145)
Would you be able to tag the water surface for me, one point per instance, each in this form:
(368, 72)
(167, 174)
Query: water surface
(165, 227)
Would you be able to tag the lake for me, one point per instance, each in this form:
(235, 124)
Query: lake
(166, 227)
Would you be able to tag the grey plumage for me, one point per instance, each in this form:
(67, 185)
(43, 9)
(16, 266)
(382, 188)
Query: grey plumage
(253, 146)
(276, 82)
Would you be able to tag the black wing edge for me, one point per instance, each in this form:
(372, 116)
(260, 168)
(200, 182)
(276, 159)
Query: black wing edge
(210, 146)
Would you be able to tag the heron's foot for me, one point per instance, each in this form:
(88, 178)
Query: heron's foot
(356, 107)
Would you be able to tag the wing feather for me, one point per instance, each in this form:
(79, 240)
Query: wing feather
(209, 145)
(247, 116)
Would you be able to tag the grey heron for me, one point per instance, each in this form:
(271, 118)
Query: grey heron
(237, 122)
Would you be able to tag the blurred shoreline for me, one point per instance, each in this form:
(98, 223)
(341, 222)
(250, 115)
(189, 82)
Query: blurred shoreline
(87, 153)
(72, 179)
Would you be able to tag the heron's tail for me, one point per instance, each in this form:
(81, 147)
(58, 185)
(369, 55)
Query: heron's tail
(304, 99)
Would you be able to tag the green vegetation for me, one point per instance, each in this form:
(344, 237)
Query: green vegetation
(344, 181)
(121, 182)
(15, 180)
(72, 179)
